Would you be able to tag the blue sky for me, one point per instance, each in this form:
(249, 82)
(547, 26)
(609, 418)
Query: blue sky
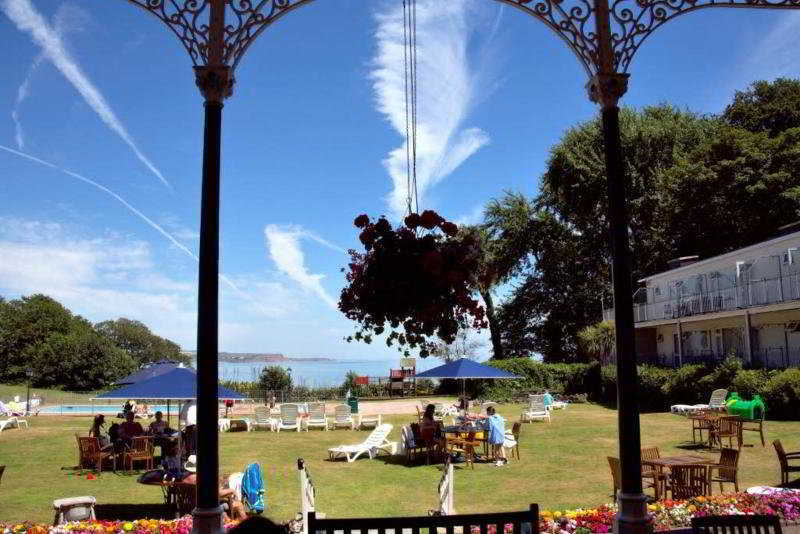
(101, 94)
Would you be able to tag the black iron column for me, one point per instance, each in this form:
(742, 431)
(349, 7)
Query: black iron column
(606, 88)
(208, 508)
(632, 512)
(216, 83)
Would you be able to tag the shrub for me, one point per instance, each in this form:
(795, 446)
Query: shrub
(681, 387)
(781, 394)
(722, 376)
(750, 382)
(652, 397)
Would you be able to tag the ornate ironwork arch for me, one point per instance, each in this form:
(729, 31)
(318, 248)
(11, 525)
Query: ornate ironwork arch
(630, 28)
(246, 19)
(580, 24)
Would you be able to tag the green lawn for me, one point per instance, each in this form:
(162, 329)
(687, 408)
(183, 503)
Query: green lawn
(48, 396)
(563, 464)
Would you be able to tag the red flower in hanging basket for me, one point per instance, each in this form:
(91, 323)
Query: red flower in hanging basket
(421, 279)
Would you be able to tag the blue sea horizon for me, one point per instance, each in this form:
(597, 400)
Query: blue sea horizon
(318, 373)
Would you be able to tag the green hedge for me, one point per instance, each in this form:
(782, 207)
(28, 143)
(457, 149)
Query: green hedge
(659, 387)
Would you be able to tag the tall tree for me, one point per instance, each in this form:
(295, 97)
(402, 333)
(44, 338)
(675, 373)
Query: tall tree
(59, 349)
(504, 240)
(137, 340)
(698, 185)
(766, 107)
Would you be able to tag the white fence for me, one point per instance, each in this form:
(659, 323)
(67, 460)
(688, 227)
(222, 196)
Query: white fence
(446, 491)
(307, 493)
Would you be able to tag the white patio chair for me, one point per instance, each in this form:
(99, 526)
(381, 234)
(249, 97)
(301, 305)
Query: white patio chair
(316, 416)
(369, 420)
(342, 416)
(290, 418)
(74, 509)
(12, 422)
(263, 419)
(536, 410)
(375, 442)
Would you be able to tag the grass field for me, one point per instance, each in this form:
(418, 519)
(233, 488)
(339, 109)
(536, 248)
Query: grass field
(48, 396)
(563, 464)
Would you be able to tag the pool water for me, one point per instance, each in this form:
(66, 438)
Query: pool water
(112, 409)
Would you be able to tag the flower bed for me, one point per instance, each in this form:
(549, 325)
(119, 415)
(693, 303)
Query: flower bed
(140, 526)
(667, 515)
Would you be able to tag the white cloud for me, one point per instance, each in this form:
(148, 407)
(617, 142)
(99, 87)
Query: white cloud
(448, 87)
(475, 216)
(116, 276)
(283, 245)
(147, 220)
(99, 278)
(23, 14)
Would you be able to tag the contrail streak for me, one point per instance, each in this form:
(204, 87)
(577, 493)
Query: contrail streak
(28, 20)
(155, 226)
(22, 94)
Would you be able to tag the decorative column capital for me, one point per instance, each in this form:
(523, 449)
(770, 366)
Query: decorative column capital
(215, 82)
(607, 88)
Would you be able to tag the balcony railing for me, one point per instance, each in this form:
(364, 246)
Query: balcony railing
(748, 294)
(769, 358)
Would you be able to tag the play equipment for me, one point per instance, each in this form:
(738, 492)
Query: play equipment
(752, 409)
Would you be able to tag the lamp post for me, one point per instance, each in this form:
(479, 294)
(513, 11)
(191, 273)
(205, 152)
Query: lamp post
(29, 374)
(604, 35)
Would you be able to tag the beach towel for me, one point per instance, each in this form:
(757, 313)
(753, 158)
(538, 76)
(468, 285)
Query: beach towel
(253, 489)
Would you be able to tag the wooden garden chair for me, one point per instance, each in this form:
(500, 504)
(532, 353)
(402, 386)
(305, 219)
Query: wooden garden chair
(784, 458)
(755, 425)
(616, 474)
(91, 455)
(736, 524)
(464, 446)
(700, 423)
(727, 470)
(516, 430)
(651, 475)
(140, 450)
(727, 427)
(687, 481)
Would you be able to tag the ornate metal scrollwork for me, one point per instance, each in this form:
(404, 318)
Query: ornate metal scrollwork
(633, 21)
(575, 21)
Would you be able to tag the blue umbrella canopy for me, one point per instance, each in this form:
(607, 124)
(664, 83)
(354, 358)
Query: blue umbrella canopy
(149, 371)
(465, 368)
(178, 384)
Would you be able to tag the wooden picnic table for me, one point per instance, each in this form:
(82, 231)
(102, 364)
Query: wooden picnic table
(672, 461)
(461, 435)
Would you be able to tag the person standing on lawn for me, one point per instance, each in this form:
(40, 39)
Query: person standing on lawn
(496, 427)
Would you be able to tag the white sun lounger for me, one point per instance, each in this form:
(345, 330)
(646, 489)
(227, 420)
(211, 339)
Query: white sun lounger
(12, 422)
(375, 442)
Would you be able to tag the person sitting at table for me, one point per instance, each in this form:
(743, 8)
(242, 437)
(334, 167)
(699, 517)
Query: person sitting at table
(430, 429)
(97, 431)
(497, 435)
(130, 429)
(159, 425)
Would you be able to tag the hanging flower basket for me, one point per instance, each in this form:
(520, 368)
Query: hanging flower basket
(415, 281)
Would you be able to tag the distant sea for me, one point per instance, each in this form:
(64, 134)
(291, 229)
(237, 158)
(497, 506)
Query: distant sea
(318, 373)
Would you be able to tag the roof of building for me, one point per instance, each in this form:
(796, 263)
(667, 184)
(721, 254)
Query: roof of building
(728, 255)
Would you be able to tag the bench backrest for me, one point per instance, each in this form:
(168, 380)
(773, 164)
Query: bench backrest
(525, 522)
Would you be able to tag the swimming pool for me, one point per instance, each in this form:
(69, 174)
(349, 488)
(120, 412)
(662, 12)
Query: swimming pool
(106, 409)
